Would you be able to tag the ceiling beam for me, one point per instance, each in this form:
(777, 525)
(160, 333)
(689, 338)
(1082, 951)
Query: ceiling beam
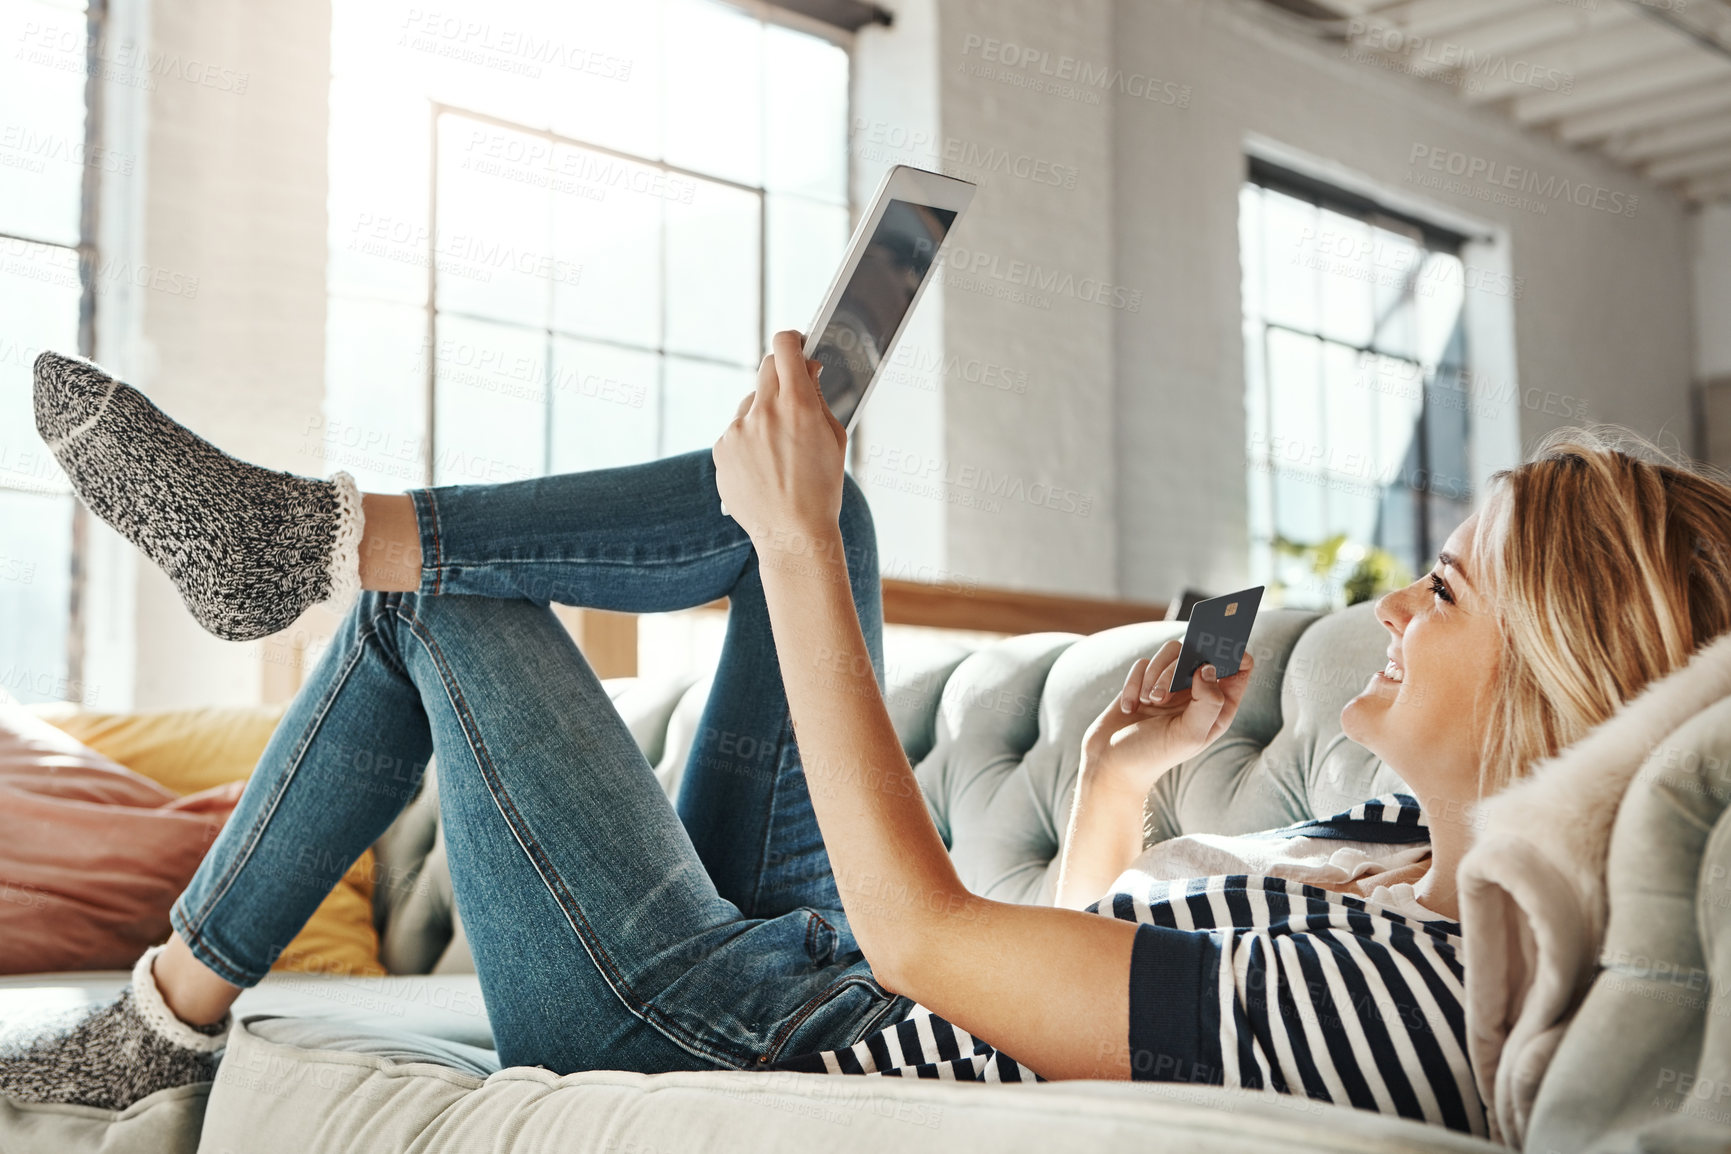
(1647, 92)
(1436, 17)
(1669, 139)
(1654, 77)
(1713, 96)
(1694, 164)
(1543, 33)
(1708, 188)
(1567, 65)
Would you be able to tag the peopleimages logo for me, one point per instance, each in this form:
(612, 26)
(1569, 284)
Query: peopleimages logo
(882, 141)
(970, 269)
(1040, 68)
(521, 50)
(1476, 69)
(1484, 179)
(35, 148)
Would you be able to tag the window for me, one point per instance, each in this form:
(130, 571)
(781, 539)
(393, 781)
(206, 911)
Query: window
(47, 171)
(1354, 347)
(561, 233)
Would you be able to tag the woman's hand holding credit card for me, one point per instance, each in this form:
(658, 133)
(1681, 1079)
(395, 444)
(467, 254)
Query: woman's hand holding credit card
(1150, 726)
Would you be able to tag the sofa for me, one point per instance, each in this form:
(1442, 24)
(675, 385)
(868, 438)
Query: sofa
(403, 1062)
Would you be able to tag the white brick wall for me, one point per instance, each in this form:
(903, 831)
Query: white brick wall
(232, 197)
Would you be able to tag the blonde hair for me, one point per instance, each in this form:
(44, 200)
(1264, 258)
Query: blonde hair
(1609, 562)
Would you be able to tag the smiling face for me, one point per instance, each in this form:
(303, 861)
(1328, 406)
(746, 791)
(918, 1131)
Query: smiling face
(1426, 712)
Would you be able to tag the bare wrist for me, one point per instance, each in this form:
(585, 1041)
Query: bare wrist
(1099, 781)
(802, 552)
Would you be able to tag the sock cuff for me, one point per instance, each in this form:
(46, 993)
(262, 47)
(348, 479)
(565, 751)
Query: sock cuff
(156, 1014)
(345, 564)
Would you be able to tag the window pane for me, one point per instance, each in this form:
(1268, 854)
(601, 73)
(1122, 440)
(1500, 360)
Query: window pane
(491, 417)
(1353, 508)
(1298, 507)
(701, 400)
(374, 425)
(608, 90)
(607, 226)
(1295, 401)
(807, 241)
(805, 107)
(1446, 423)
(713, 275)
(42, 155)
(605, 406)
(1398, 529)
(1290, 257)
(494, 247)
(714, 94)
(1351, 419)
(1345, 256)
(1396, 289)
(35, 595)
(1255, 391)
(38, 310)
(1445, 515)
(1257, 448)
(489, 55)
(378, 193)
(1441, 293)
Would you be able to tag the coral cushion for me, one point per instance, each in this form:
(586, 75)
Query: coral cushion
(120, 821)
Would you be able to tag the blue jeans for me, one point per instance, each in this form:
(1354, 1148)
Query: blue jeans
(610, 929)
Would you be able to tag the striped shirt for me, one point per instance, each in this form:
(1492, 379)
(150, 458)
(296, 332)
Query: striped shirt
(1258, 982)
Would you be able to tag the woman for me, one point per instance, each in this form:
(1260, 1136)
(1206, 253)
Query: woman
(799, 903)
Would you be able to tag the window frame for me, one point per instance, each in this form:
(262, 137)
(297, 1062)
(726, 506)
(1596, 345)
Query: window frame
(85, 250)
(1430, 237)
(767, 14)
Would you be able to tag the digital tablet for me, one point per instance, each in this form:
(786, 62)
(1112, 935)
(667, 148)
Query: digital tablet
(889, 263)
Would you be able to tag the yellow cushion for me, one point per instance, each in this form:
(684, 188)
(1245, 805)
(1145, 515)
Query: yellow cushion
(188, 750)
(184, 749)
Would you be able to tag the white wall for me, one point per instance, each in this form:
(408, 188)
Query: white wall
(228, 211)
(1713, 330)
(1143, 410)
(995, 441)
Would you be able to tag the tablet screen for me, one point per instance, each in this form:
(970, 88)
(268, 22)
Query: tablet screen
(876, 299)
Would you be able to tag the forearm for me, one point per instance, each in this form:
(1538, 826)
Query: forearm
(1050, 986)
(1104, 837)
(894, 875)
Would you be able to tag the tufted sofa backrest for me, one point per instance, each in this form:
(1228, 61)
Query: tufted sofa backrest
(1010, 721)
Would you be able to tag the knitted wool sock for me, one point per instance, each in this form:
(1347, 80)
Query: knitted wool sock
(117, 1054)
(248, 548)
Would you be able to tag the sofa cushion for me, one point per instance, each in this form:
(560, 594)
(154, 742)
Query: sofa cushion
(444, 1015)
(167, 1122)
(999, 777)
(286, 1087)
(1646, 1062)
(184, 749)
(91, 854)
(188, 751)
